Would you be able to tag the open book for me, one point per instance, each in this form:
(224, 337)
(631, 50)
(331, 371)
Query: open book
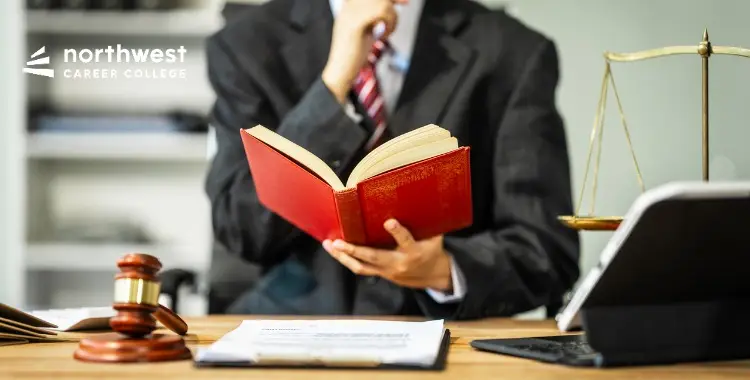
(421, 178)
(330, 343)
(419, 144)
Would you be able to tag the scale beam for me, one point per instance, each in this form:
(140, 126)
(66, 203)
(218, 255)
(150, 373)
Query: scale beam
(705, 50)
(674, 50)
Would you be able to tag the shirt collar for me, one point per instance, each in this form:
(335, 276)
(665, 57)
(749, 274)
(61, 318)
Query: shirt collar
(402, 39)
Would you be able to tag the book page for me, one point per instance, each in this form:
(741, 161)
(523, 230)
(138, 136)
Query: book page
(418, 137)
(329, 341)
(297, 153)
(408, 156)
(388, 146)
(419, 144)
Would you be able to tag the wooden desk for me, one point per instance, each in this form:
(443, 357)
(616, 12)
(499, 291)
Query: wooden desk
(55, 361)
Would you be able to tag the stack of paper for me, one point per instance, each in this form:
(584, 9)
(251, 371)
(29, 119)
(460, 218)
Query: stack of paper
(17, 326)
(77, 319)
(343, 343)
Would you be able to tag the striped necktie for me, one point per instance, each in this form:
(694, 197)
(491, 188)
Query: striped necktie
(368, 92)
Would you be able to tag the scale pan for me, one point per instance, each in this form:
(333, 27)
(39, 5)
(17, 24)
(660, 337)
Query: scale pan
(592, 223)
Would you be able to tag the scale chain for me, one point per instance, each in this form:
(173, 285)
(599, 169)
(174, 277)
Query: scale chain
(598, 131)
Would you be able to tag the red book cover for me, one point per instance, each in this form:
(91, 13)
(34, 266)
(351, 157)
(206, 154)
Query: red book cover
(429, 197)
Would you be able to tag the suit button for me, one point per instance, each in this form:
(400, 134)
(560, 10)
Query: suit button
(371, 280)
(335, 164)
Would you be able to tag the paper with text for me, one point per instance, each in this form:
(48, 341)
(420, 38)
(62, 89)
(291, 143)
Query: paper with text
(329, 341)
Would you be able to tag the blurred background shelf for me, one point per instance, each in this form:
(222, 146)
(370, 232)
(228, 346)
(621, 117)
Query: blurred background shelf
(64, 256)
(171, 23)
(148, 146)
(88, 178)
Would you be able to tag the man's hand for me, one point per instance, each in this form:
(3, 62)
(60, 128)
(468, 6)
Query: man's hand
(352, 40)
(413, 264)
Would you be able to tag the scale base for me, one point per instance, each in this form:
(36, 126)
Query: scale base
(591, 223)
(118, 348)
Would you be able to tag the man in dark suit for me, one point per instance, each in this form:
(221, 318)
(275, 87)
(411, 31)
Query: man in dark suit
(385, 67)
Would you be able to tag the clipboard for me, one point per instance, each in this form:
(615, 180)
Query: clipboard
(439, 364)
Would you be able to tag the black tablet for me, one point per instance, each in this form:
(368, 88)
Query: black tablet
(671, 279)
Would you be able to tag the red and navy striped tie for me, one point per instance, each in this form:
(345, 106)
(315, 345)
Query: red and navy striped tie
(368, 92)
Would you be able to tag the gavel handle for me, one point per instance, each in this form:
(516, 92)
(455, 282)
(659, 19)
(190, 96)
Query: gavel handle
(171, 320)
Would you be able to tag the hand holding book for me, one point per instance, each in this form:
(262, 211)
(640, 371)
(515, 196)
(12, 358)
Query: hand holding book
(422, 179)
(419, 264)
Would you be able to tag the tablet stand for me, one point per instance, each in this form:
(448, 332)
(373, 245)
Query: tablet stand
(667, 334)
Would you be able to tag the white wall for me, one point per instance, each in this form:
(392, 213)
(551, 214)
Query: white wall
(664, 118)
(11, 153)
(661, 98)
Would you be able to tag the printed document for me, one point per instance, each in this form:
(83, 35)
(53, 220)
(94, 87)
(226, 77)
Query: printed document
(330, 342)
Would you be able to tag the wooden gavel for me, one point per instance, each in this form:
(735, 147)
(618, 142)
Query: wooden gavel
(136, 300)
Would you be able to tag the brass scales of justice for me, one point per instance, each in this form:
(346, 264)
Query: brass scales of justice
(704, 49)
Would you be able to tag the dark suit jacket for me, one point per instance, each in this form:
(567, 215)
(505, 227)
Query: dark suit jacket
(481, 74)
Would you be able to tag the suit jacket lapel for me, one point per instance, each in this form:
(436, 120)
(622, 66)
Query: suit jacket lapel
(306, 49)
(438, 63)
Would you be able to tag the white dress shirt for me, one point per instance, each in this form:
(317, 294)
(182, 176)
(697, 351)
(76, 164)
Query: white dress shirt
(390, 71)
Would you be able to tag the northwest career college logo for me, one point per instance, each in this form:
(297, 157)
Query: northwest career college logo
(39, 61)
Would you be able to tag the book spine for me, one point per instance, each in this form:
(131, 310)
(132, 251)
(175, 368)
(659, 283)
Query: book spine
(350, 217)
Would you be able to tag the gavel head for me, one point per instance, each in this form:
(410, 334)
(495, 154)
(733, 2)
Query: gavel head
(136, 295)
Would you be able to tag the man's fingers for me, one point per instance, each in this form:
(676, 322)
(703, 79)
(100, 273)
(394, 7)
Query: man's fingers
(354, 265)
(375, 257)
(382, 17)
(390, 19)
(350, 262)
(403, 237)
